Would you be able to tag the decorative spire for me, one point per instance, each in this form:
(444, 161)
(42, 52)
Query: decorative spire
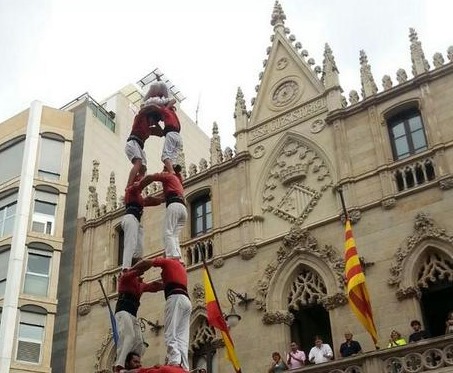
(181, 160)
(278, 16)
(240, 108)
(419, 62)
(369, 87)
(330, 70)
(95, 172)
(216, 149)
(111, 201)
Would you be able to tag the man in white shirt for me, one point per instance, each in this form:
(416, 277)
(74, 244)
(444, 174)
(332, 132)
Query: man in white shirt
(321, 353)
(295, 358)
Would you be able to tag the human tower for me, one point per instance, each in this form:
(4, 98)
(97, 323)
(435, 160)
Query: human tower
(157, 107)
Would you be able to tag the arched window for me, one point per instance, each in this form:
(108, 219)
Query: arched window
(407, 133)
(204, 347)
(119, 244)
(30, 334)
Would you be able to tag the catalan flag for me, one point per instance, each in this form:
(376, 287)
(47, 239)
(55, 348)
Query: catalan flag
(216, 319)
(358, 297)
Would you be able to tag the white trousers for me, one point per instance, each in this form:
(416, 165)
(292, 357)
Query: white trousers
(176, 329)
(134, 151)
(172, 147)
(133, 239)
(130, 337)
(175, 219)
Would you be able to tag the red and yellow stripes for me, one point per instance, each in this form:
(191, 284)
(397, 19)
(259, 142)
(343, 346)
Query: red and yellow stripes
(359, 299)
(216, 319)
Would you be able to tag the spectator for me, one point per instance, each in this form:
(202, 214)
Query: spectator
(396, 339)
(449, 323)
(418, 333)
(350, 347)
(278, 365)
(133, 361)
(295, 358)
(320, 353)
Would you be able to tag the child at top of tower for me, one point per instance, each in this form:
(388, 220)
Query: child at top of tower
(158, 95)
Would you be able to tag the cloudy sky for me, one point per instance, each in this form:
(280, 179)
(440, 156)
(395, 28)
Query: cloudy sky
(55, 50)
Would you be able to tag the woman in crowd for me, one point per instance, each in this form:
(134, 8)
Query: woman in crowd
(396, 339)
(278, 365)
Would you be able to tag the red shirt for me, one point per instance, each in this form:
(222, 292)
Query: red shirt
(130, 283)
(163, 369)
(170, 182)
(140, 127)
(170, 119)
(172, 271)
(133, 196)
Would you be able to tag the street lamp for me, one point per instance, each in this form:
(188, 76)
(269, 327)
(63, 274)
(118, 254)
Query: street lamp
(233, 317)
(154, 327)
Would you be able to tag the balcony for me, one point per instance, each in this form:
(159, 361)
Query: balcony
(429, 355)
(414, 174)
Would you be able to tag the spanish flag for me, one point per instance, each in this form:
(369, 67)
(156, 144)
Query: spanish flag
(216, 319)
(358, 297)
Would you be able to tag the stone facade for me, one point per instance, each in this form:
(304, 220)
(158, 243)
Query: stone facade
(277, 231)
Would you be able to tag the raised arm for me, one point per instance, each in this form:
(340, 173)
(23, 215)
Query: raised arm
(153, 286)
(142, 265)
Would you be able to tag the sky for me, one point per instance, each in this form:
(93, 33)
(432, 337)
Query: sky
(56, 50)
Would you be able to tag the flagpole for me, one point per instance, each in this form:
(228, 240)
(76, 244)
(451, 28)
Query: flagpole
(343, 205)
(209, 277)
(109, 307)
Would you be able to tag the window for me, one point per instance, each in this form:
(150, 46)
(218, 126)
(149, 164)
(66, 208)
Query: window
(7, 214)
(11, 154)
(44, 212)
(30, 334)
(120, 245)
(51, 154)
(37, 273)
(201, 215)
(4, 260)
(407, 134)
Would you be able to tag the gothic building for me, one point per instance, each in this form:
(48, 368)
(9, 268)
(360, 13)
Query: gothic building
(268, 219)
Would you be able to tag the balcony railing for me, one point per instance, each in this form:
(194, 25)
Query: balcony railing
(414, 174)
(429, 355)
(194, 251)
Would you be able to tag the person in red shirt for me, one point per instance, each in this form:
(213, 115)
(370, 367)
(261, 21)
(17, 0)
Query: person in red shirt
(130, 289)
(177, 308)
(133, 230)
(176, 213)
(146, 123)
(172, 127)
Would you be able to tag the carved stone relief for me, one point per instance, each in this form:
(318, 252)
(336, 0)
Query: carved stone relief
(297, 179)
(103, 354)
(278, 317)
(301, 241)
(204, 334)
(446, 183)
(308, 288)
(198, 294)
(317, 126)
(258, 152)
(248, 253)
(389, 203)
(435, 266)
(285, 93)
(354, 216)
(218, 262)
(84, 309)
(282, 63)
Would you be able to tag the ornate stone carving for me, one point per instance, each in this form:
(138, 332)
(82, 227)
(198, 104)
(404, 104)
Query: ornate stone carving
(401, 76)
(317, 126)
(446, 183)
(330, 70)
(334, 301)
(344, 102)
(387, 82)
(285, 93)
(203, 335)
(354, 216)
(419, 62)
(438, 60)
(353, 97)
(92, 205)
(424, 228)
(192, 169)
(278, 317)
(450, 53)
(278, 16)
(299, 241)
(296, 181)
(240, 108)
(203, 165)
(181, 160)
(282, 63)
(103, 302)
(101, 359)
(369, 87)
(95, 171)
(258, 152)
(436, 268)
(218, 262)
(389, 203)
(216, 149)
(308, 288)
(248, 253)
(198, 294)
(409, 292)
(228, 154)
(84, 309)
(111, 200)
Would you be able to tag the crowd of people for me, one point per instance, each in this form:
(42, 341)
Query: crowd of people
(322, 352)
